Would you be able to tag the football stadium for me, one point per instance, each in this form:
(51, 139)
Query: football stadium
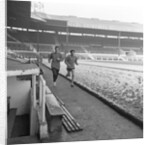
(105, 100)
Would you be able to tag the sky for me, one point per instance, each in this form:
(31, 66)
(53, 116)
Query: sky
(119, 10)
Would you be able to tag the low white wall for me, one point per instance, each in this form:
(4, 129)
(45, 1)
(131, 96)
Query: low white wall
(19, 92)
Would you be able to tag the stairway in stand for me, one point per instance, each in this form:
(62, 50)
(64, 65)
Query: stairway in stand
(23, 140)
(11, 121)
(21, 126)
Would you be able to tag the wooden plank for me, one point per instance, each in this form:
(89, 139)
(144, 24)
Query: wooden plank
(71, 116)
(11, 121)
(72, 123)
(60, 101)
(78, 128)
(68, 122)
(66, 125)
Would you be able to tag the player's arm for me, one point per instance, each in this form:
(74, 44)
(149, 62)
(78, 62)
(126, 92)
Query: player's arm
(66, 61)
(61, 57)
(76, 61)
(49, 58)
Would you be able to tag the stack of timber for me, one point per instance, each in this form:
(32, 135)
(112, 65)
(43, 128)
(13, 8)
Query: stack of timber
(69, 122)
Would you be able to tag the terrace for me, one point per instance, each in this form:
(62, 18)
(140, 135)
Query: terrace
(104, 44)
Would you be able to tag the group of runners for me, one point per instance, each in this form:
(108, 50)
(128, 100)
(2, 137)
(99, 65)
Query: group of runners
(70, 60)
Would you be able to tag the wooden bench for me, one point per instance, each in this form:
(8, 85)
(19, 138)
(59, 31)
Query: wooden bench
(54, 113)
(11, 121)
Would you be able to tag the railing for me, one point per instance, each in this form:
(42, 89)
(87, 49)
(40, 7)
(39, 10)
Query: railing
(42, 86)
(37, 113)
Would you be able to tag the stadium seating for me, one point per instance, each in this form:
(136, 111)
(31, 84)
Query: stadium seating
(131, 43)
(17, 46)
(22, 36)
(44, 55)
(28, 54)
(97, 49)
(76, 47)
(81, 44)
(43, 47)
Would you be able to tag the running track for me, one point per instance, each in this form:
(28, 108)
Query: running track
(99, 122)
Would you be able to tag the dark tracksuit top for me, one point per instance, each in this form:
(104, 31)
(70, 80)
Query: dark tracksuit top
(55, 63)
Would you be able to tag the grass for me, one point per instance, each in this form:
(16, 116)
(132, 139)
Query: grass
(125, 88)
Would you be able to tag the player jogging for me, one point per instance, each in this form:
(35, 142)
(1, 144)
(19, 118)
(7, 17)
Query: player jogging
(56, 58)
(70, 61)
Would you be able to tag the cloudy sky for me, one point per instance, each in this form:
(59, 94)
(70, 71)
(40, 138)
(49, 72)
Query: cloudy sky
(121, 10)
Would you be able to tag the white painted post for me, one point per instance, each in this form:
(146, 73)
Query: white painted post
(33, 115)
(43, 102)
(34, 89)
(40, 91)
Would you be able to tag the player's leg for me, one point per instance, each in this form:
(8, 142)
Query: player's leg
(57, 73)
(54, 76)
(72, 79)
(53, 72)
(68, 73)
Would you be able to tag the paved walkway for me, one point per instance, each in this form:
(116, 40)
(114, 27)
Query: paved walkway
(99, 122)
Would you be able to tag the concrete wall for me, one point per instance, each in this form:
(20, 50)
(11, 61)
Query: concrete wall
(19, 92)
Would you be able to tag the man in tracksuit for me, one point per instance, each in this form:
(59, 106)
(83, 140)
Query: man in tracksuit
(56, 58)
(70, 61)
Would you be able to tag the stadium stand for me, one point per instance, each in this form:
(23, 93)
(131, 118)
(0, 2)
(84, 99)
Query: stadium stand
(94, 23)
(78, 39)
(17, 46)
(28, 54)
(43, 47)
(22, 36)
